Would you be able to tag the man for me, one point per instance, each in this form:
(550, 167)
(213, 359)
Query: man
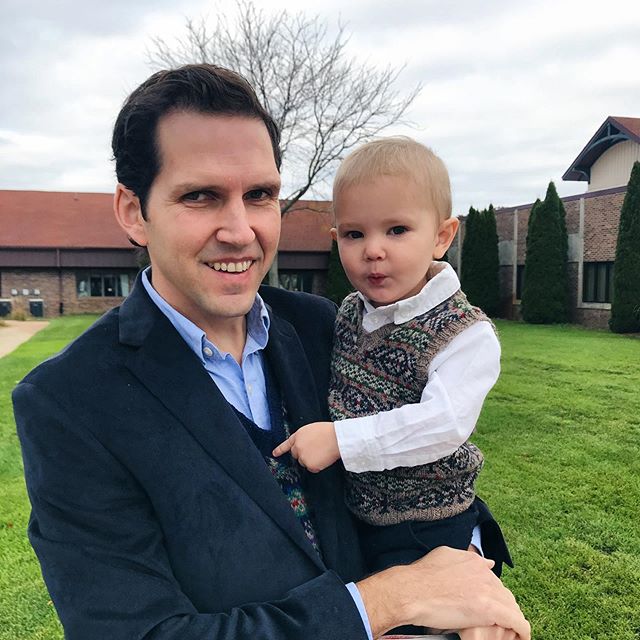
(158, 512)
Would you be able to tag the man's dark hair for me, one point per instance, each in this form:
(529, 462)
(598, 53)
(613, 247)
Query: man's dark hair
(203, 88)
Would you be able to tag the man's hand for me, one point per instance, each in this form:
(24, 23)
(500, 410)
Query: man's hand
(487, 633)
(447, 589)
(314, 446)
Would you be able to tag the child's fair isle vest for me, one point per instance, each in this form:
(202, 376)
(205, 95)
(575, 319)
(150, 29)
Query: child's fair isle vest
(385, 369)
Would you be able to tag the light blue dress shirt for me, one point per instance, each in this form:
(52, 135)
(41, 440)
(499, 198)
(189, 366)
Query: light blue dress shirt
(242, 386)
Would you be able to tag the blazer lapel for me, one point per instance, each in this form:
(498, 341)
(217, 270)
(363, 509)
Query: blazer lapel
(166, 366)
(291, 367)
(323, 490)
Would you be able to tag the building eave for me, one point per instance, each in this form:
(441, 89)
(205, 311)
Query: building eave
(612, 131)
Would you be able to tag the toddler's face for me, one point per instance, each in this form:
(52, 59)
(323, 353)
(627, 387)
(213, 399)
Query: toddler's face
(387, 238)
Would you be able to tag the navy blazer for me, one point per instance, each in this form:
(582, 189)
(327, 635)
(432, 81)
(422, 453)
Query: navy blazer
(153, 514)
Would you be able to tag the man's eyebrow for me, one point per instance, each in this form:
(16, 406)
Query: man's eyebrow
(268, 185)
(190, 187)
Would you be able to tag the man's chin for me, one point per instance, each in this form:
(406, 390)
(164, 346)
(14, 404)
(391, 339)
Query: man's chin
(233, 305)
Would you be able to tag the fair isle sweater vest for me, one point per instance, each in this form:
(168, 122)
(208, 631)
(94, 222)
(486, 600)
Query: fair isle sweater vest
(285, 470)
(385, 369)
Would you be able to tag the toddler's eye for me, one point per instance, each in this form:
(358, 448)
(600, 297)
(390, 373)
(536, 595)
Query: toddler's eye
(353, 234)
(398, 230)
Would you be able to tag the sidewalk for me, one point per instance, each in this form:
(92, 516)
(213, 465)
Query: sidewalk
(16, 332)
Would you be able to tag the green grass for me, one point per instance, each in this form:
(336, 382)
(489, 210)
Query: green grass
(561, 434)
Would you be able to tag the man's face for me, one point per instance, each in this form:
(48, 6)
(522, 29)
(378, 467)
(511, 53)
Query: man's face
(213, 215)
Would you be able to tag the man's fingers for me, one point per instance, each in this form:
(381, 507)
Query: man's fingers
(284, 447)
(508, 616)
(487, 633)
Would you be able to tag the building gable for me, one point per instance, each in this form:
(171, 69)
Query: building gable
(614, 161)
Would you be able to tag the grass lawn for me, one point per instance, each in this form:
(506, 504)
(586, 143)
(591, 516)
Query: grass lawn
(561, 436)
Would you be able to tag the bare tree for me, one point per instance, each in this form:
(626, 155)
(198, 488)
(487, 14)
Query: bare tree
(323, 101)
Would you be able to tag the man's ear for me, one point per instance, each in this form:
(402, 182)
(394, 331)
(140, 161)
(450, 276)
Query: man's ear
(446, 233)
(334, 234)
(128, 212)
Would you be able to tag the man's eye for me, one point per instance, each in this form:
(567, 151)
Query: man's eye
(197, 196)
(397, 230)
(258, 194)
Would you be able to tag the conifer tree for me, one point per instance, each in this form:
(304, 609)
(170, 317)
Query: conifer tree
(469, 279)
(338, 285)
(544, 292)
(491, 264)
(480, 260)
(552, 194)
(625, 304)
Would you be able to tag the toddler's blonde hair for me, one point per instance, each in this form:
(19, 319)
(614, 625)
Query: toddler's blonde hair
(398, 156)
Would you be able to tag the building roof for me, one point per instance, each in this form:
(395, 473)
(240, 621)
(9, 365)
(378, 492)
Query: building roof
(49, 219)
(307, 226)
(613, 130)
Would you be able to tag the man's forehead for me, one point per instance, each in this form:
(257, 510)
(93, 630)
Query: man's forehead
(193, 146)
(180, 122)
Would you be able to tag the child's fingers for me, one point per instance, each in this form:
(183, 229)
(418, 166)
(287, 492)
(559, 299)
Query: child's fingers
(284, 447)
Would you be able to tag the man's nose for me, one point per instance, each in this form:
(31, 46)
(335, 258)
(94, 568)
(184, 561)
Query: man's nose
(235, 225)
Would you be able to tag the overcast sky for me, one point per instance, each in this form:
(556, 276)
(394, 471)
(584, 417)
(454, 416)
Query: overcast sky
(512, 90)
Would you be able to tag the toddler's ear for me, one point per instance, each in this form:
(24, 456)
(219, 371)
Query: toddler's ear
(446, 233)
(334, 233)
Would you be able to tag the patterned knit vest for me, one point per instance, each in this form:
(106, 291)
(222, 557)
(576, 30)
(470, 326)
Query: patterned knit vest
(385, 369)
(284, 469)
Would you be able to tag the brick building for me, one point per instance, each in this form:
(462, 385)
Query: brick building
(592, 225)
(61, 253)
(65, 253)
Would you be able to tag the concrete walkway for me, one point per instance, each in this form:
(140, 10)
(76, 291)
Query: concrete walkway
(16, 332)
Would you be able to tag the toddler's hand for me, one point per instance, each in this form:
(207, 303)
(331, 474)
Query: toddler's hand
(314, 446)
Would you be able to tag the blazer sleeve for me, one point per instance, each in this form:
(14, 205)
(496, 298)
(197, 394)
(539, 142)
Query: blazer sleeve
(103, 557)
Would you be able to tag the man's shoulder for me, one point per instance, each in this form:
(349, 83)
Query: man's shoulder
(95, 343)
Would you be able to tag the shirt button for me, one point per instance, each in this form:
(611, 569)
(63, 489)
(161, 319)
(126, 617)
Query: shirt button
(207, 352)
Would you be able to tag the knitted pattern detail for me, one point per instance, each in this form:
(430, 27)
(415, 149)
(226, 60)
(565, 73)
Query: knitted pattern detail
(287, 474)
(385, 369)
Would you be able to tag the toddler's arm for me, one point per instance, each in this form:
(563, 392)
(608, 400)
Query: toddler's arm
(460, 377)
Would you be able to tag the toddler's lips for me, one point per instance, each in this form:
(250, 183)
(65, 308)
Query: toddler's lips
(376, 278)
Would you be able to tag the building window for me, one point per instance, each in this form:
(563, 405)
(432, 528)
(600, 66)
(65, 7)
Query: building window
(296, 280)
(597, 282)
(519, 281)
(102, 285)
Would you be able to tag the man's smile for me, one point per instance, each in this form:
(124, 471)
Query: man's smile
(231, 266)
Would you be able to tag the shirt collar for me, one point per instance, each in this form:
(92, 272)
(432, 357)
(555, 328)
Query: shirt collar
(258, 323)
(442, 283)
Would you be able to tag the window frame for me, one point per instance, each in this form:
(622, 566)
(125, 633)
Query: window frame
(95, 280)
(597, 276)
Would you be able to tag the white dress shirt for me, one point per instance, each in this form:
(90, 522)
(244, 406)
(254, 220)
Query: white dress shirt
(460, 377)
